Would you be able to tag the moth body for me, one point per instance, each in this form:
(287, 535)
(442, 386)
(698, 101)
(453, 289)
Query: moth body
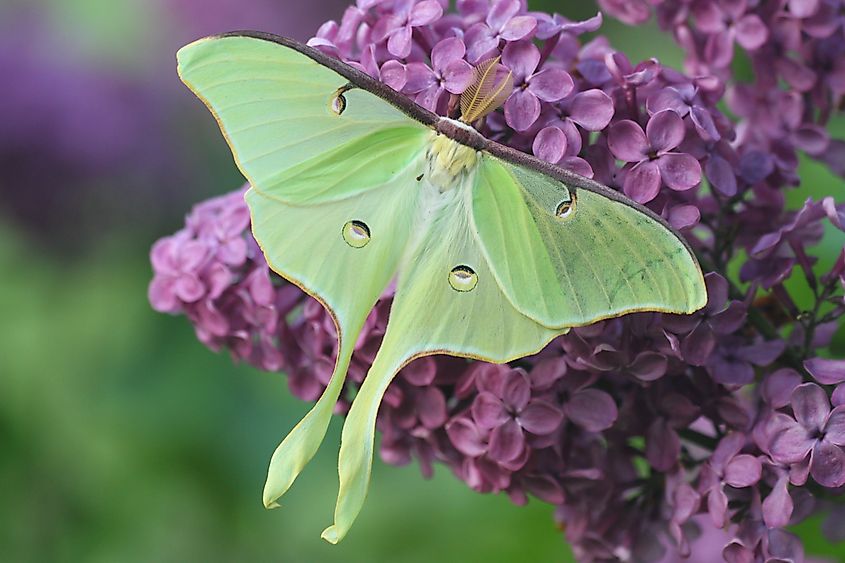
(449, 162)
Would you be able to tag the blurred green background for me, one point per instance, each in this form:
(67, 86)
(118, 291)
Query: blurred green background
(121, 437)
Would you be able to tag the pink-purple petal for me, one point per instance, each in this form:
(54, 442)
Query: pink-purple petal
(418, 77)
(507, 442)
(721, 175)
(550, 145)
(642, 183)
(592, 109)
(501, 13)
(777, 387)
(663, 445)
(778, 506)
(791, 444)
(488, 411)
(425, 13)
(540, 417)
(680, 171)
(834, 430)
(457, 76)
(591, 409)
(551, 84)
(827, 465)
(520, 27)
(466, 437)
(394, 74)
(717, 506)
(825, 371)
(522, 109)
(751, 32)
(522, 58)
(399, 43)
(446, 52)
(627, 141)
(665, 131)
(810, 406)
(517, 391)
(743, 470)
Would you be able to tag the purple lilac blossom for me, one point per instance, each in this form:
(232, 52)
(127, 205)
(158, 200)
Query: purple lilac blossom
(641, 429)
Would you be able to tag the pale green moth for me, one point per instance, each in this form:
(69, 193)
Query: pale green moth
(494, 252)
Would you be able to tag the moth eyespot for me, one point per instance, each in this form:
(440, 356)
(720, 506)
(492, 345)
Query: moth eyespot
(338, 104)
(356, 234)
(566, 209)
(463, 278)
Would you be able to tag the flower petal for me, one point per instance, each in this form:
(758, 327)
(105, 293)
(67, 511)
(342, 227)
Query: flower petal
(522, 109)
(810, 406)
(425, 13)
(648, 366)
(592, 109)
(743, 470)
(751, 32)
(466, 437)
(717, 506)
(551, 84)
(431, 407)
(698, 345)
(517, 390)
(540, 417)
(826, 372)
(679, 171)
(418, 77)
(520, 27)
(627, 141)
(501, 13)
(458, 76)
(642, 183)
(399, 43)
(507, 442)
(778, 506)
(834, 431)
(550, 145)
(663, 446)
(827, 465)
(777, 387)
(665, 131)
(721, 175)
(488, 411)
(447, 51)
(522, 58)
(591, 409)
(791, 444)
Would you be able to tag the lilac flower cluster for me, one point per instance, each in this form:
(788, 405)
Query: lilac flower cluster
(638, 428)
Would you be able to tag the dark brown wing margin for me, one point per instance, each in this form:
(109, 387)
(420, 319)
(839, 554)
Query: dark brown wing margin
(464, 136)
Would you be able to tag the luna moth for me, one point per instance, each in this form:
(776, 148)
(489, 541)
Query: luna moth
(493, 252)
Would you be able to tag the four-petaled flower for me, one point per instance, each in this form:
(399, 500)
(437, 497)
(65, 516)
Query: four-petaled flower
(650, 153)
(549, 84)
(449, 72)
(813, 439)
(505, 407)
(398, 27)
